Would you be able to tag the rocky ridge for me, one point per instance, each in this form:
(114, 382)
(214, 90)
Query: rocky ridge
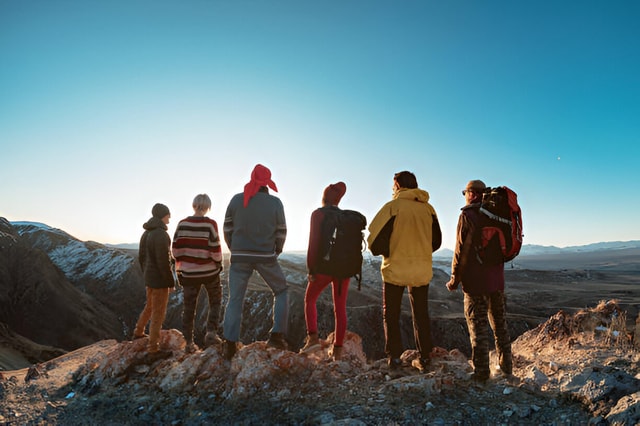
(571, 370)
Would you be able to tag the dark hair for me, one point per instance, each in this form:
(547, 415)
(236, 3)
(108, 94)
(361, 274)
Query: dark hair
(406, 180)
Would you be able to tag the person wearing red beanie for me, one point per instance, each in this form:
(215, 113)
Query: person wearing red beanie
(319, 278)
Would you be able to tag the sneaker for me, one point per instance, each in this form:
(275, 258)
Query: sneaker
(421, 364)
(191, 348)
(212, 339)
(276, 340)
(394, 363)
(311, 345)
(229, 349)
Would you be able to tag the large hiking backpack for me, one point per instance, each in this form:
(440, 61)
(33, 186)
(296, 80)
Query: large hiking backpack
(343, 243)
(501, 227)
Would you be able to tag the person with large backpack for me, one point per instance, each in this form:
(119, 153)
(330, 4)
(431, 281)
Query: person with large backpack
(334, 255)
(406, 232)
(478, 265)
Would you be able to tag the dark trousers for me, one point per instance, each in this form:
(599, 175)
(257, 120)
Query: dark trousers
(482, 310)
(392, 306)
(191, 290)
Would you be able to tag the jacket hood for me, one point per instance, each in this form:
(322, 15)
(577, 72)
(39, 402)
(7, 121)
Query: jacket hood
(154, 223)
(415, 194)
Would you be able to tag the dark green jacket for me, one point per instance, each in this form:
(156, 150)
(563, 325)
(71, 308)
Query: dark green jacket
(155, 255)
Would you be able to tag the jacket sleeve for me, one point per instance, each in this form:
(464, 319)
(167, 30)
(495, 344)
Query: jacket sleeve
(227, 226)
(281, 228)
(315, 236)
(163, 258)
(378, 223)
(436, 234)
(142, 250)
(382, 241)
(463, 248)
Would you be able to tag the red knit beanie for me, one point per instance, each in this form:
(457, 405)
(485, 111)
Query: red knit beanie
(333, 193)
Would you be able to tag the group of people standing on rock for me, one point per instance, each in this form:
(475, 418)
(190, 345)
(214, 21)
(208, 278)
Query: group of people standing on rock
(405, 232)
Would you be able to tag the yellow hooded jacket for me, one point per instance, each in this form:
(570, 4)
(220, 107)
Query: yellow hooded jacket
(409, 260)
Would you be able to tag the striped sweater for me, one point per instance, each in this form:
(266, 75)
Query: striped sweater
(196, 247)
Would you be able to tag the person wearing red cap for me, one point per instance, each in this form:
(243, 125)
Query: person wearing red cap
(320, 277)
(255, 231)
(406, 232)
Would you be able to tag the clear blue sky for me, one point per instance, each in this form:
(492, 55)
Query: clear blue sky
(108, 107)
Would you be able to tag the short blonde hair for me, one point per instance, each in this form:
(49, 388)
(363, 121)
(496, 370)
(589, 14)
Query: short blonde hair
(201, 203)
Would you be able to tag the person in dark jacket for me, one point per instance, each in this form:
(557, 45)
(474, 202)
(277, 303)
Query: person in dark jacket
(483, 286)
(255, 231)
(406, 232)
(156, 262)
(319, 279)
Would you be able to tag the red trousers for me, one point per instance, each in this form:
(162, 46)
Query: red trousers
(340, 292)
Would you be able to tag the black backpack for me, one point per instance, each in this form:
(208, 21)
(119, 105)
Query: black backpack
(342, 243)
(500, 238)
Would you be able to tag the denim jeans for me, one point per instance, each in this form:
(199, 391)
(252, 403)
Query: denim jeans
(239, 275)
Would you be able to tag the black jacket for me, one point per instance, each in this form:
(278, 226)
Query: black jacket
(155, 255)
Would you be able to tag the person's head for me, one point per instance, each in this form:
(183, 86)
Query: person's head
(333, 194)
(161, 212)
(473, 191)
(404, 179)
(260, 177)
(201, 204)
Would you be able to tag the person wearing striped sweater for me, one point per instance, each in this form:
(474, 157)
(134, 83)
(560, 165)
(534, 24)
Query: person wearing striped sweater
(196, 248)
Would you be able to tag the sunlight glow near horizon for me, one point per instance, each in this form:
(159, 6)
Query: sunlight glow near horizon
(108, 108)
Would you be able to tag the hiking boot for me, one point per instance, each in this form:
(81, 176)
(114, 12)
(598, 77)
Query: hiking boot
(506, 364)
(212, 339)
(336, 353)
(154, 356)
(191, 348)
(479, 378)
(229, 349)
(276, 340)
(312, 344)
(421, 364)
(394, 363)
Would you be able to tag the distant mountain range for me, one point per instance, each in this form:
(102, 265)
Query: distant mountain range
(527, 249)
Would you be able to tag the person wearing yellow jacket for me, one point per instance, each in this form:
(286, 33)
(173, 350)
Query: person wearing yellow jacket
(406, 232)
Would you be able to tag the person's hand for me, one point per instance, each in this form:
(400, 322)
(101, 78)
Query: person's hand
(452, 285)
(311, 277)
